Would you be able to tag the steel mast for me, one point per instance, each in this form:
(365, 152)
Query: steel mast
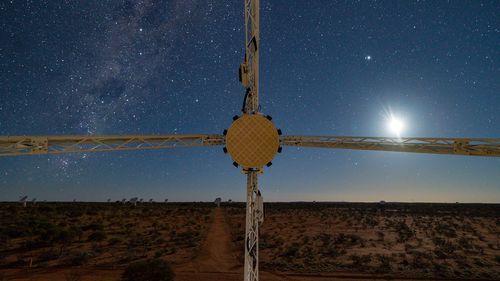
(254, 217)
(249, 68)
(249, 77)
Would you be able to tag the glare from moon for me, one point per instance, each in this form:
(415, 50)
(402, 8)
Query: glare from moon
(396, 125)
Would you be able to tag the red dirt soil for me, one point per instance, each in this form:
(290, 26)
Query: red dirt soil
(216, 253)
(216, 261)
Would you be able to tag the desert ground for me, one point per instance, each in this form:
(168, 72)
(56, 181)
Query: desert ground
(299, 241)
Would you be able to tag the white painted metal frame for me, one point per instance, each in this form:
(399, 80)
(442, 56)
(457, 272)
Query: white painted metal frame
(252, 48)
(459, 146)
(254, 216)
(21, 145)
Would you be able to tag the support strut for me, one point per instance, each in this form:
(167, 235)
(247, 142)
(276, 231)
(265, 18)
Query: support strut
(249, 69)
(254, 216)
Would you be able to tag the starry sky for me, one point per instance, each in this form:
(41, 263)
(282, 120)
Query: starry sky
(327, 68)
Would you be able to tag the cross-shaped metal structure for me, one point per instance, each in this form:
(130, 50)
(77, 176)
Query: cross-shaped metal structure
(252, 141)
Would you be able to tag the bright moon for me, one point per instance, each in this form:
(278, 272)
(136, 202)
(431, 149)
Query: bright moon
(396, 125)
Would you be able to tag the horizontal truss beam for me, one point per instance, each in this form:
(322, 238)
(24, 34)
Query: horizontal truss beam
(459, 146)
(25, 145)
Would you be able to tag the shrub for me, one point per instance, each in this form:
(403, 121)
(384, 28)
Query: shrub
(421, 259)
(479, 262)
(404, 231)
(65, 238)
(48, 255)
(77, 231)
(348, 240)
(497, 259)
(148, 270)
(361, 262)
(159, 253)
(115, 241)
(97, 236)
(446, 230)
(291, 251)
(331, 251)
(384, 264)
(465, 243)
(79, 258)
(444, 248)
(95, 226)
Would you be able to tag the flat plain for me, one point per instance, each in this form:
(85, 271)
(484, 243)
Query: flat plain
(299, 241)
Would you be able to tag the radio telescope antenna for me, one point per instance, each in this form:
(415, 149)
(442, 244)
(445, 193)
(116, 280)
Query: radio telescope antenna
(133, 201)
(166, 200)
(217, 201)
(151, 200)
(252, 141)
(23, 200)
(33, 201)
(109, 200)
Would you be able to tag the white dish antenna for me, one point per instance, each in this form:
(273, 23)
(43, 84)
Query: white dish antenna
(133, 201)
(23, 199)
(217, 201)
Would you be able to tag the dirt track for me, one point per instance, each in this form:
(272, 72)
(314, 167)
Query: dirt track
(216, 260)
(216, 253)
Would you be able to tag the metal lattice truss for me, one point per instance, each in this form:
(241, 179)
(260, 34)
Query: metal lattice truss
(254, 216)
(460, 146)
(21, 145)
(249, 69)
(249, 77)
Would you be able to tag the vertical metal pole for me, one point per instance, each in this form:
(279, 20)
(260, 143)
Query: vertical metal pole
(254, 214)
(252, 48)
(251, 269)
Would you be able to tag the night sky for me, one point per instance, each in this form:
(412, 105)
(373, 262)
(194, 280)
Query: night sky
(327, 68)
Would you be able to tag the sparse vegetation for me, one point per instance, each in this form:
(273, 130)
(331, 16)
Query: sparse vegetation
(406, 240)
(398, 240)
(96, 234)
